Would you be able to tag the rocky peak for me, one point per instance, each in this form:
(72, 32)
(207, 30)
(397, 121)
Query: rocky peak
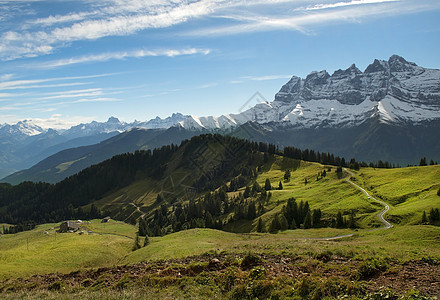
(113, 120)
(376, 66)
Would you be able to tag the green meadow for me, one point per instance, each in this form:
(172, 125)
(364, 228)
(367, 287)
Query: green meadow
(408, 191)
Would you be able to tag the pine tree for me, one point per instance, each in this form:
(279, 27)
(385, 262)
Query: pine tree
(352, 221)
(252, 211)
(267, 185)
(280, 186)
(146, 241)
(308, 221)
(287, 175)
(293, 224)
(422, 161)
(284, 225)
(260, 226)
(136, 244)
(339, 220)
(142, 227)
(424, 218)
(247, 192)
(275, 225)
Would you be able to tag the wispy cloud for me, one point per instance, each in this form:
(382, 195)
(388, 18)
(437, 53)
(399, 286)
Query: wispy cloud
(41, 83)
(99, 19)
(343, 4)
(122, 55)
(59, 121)
(103, 99)
(266, 77)
(305, 19)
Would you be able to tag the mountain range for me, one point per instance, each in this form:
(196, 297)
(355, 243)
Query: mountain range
(390, 111)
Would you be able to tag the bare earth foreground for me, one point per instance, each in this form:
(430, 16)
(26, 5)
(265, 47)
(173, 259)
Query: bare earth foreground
(238, 276)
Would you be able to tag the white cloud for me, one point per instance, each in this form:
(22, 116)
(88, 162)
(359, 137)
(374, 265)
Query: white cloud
(267, 77)
(58, 121)
(303, 19)
(342, 4)
(97, 100)
(99, 19)
(37, 83)
(74, 95)
(123, 55)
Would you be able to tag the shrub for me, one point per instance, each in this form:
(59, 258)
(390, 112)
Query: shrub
(250, 260)
(371, 268)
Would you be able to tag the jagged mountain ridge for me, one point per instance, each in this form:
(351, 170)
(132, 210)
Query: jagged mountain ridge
(393, 98)
(397, 91)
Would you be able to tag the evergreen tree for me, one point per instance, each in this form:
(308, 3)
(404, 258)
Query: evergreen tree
(252, 211)
(142, 227)
(316, 218)
(284, 225)
(146, 241)
(305, 181)
(308, 221)
(94, 212)
(255, 188)
(287, 175)
(424, 218)
(136, 244)
(293, 224)
(247, 192)
(267, 185)
(209, 221)
(275, 225)
(352, 221)
(260, 226)
(339, 220)
(422, 161)
(280, 186)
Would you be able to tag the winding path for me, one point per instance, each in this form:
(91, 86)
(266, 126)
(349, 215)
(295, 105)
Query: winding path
(380, 215)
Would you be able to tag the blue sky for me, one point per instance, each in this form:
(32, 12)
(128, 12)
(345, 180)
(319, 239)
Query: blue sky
(64, 62)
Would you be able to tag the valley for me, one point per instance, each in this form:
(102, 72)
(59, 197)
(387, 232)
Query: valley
(189, 263)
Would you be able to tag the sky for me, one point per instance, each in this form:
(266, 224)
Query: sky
(67, 62)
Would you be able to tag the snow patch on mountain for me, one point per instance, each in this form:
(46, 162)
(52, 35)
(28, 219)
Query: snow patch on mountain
(396, 91)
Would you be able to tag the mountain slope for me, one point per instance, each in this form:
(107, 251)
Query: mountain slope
(24, 144)
(70, 161)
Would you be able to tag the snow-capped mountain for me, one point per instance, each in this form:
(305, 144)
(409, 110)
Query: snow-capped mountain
(24, 144)
(395, 91)
(158, 122)
(26, 127)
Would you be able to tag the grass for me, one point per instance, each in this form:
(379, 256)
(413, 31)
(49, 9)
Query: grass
(402, 243)
(33, 252)
(408, 190)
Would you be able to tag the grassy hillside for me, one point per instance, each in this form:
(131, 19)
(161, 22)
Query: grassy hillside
(35, 252)
(409, 191)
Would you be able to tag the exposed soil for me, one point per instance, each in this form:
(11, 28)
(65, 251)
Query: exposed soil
(399, 277)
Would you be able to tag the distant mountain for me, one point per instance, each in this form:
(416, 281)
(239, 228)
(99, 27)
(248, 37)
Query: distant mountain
(24, 144)
(390, 111)
(70, 161)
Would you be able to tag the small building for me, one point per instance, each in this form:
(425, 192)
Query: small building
(68, 226)
(105, 220)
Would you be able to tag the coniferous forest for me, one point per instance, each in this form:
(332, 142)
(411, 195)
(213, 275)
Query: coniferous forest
(219, 164)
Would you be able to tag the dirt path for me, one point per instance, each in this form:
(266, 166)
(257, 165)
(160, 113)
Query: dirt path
(380, 215)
